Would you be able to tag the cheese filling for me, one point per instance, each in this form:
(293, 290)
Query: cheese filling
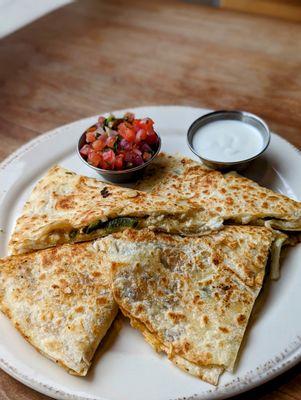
(186, 224)
(182, 224)
(275, 255)
(284, 225)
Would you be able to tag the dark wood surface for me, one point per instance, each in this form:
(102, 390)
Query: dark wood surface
(287, 9)
(94, 56)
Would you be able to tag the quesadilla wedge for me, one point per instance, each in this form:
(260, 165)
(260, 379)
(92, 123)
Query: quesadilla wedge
(191, 297)
(208, 374)
(60, 300)
(234, 198)
(66, 208)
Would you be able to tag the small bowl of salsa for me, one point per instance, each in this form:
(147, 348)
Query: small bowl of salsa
(119, 148)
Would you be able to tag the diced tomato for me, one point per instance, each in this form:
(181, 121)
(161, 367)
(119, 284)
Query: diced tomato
(111, 140)
(104, 165)
(122, 127)
(148, 122)
(99, 144)
(130, 135)
(94, 158)
(109, 157)
(151, 137)
(84, 151)
(126, 132)
(119, 162)
(136, 122)
(139, 123)
(90, 137)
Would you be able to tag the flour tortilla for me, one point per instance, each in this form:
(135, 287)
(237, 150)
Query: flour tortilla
(234, 198)
(190, 297)
(61, 301)
(206, 373)
(66, 208)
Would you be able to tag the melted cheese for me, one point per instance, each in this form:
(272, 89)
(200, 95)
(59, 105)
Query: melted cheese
(275, 255)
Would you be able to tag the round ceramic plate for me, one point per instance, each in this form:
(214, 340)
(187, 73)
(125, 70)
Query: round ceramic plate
(126, 367)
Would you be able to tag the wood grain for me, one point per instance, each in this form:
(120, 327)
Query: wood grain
(287, 9)
(95, 56)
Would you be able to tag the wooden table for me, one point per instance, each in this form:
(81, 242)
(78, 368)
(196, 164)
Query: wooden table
(94, 56)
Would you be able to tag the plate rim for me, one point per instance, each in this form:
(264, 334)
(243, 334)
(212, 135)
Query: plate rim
(287, 359)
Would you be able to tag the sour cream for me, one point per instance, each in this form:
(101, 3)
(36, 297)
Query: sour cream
(227, 141)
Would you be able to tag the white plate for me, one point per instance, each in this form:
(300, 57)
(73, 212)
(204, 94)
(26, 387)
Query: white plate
(128, 368)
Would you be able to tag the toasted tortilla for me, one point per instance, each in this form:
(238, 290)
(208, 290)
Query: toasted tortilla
(66, 208)
(234, 198)
(60, 300)
(190, 297)
(206, 373)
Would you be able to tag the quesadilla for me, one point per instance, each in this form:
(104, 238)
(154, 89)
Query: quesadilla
(66, 208)
(234, 198)
(190, 297)
(60, 300)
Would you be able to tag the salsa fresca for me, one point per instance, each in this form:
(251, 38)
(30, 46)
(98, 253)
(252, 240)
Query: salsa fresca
(120, 143)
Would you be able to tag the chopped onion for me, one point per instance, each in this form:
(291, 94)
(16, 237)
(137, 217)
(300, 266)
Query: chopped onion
(145, 148)
(125, 145)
